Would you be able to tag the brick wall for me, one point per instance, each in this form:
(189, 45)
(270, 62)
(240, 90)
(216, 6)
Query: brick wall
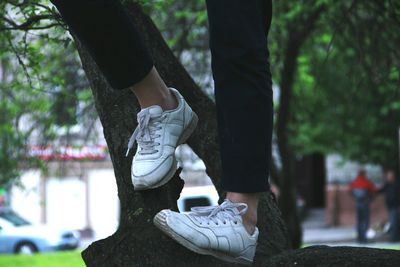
(339, 199)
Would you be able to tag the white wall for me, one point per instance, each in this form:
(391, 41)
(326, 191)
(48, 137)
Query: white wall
(104, 202)
(25, 197)
(66, 201)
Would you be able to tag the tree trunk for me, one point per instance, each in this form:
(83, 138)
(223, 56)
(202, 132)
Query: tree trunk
(324, 256)
(287, 201)
(137, 242)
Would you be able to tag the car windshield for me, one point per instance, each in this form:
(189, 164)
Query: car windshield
(13, 218)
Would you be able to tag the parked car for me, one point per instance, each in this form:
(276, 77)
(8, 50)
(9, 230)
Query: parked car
(193, 196)
(17, 235)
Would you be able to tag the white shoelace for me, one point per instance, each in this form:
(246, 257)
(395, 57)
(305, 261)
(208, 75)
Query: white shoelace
(218, 214)
(146, 132)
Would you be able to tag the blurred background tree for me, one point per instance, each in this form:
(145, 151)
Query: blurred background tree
(43, 87)
(347, 92)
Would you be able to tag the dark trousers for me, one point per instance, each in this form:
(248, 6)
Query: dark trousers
(362, 221)
(394, 224)
(243, 88)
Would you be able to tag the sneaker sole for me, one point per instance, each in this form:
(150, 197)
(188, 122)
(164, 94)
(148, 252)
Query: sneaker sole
(182, 139)
(160, 221)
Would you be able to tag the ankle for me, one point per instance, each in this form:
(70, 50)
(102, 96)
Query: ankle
(249, 222)
(163, 98)
(152, 90)
(251, 199)
(250, 219)
(169, 102)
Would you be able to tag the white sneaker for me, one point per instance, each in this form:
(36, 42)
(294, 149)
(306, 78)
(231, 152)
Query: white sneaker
(158, 134)
(217, 231)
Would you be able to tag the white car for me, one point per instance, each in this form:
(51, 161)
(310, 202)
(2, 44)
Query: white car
(19, 236)
(193, 196)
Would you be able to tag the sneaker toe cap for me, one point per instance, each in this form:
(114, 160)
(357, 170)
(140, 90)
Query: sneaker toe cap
(150, 172)
(182, 225)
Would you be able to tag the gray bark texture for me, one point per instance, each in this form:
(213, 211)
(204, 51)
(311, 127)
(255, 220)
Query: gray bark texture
(324, 256)
(137, 242)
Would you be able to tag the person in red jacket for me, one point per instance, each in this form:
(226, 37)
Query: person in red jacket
(362, 190)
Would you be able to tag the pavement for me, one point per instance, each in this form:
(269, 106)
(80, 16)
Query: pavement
(316, 232)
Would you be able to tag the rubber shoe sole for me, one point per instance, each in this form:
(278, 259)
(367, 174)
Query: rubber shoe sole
(160, 221)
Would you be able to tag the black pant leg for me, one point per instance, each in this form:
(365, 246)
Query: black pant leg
(243, 91)
(111, 38)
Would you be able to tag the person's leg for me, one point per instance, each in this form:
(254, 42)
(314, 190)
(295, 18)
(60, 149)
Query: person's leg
(366, 221)
(151, 90)
(359, 222)
(238, 42)
(251, 199)
(396, 230)
(394, 224)
(166, 120)
(117, 48)
(243, 91)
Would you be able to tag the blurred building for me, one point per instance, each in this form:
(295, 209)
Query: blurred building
(74, 193)
(340, 207)
(322, 182)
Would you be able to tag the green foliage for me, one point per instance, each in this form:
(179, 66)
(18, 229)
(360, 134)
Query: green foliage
(347, 95)
(40, 76)
(59, 259)
(184, 26)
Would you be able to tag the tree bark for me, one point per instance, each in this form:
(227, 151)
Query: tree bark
(137, 242)
(287, 200)
(324, 256)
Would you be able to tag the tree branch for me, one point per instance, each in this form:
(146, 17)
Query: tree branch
(27, 25)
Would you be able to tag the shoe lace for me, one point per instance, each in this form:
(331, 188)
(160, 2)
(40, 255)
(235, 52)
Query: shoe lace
(146, 132)
(227, 211)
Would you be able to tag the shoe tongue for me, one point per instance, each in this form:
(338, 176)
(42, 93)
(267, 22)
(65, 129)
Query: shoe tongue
(238, 208)
(154, 110)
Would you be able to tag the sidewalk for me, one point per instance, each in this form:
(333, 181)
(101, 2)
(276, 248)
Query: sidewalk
(315, 232)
